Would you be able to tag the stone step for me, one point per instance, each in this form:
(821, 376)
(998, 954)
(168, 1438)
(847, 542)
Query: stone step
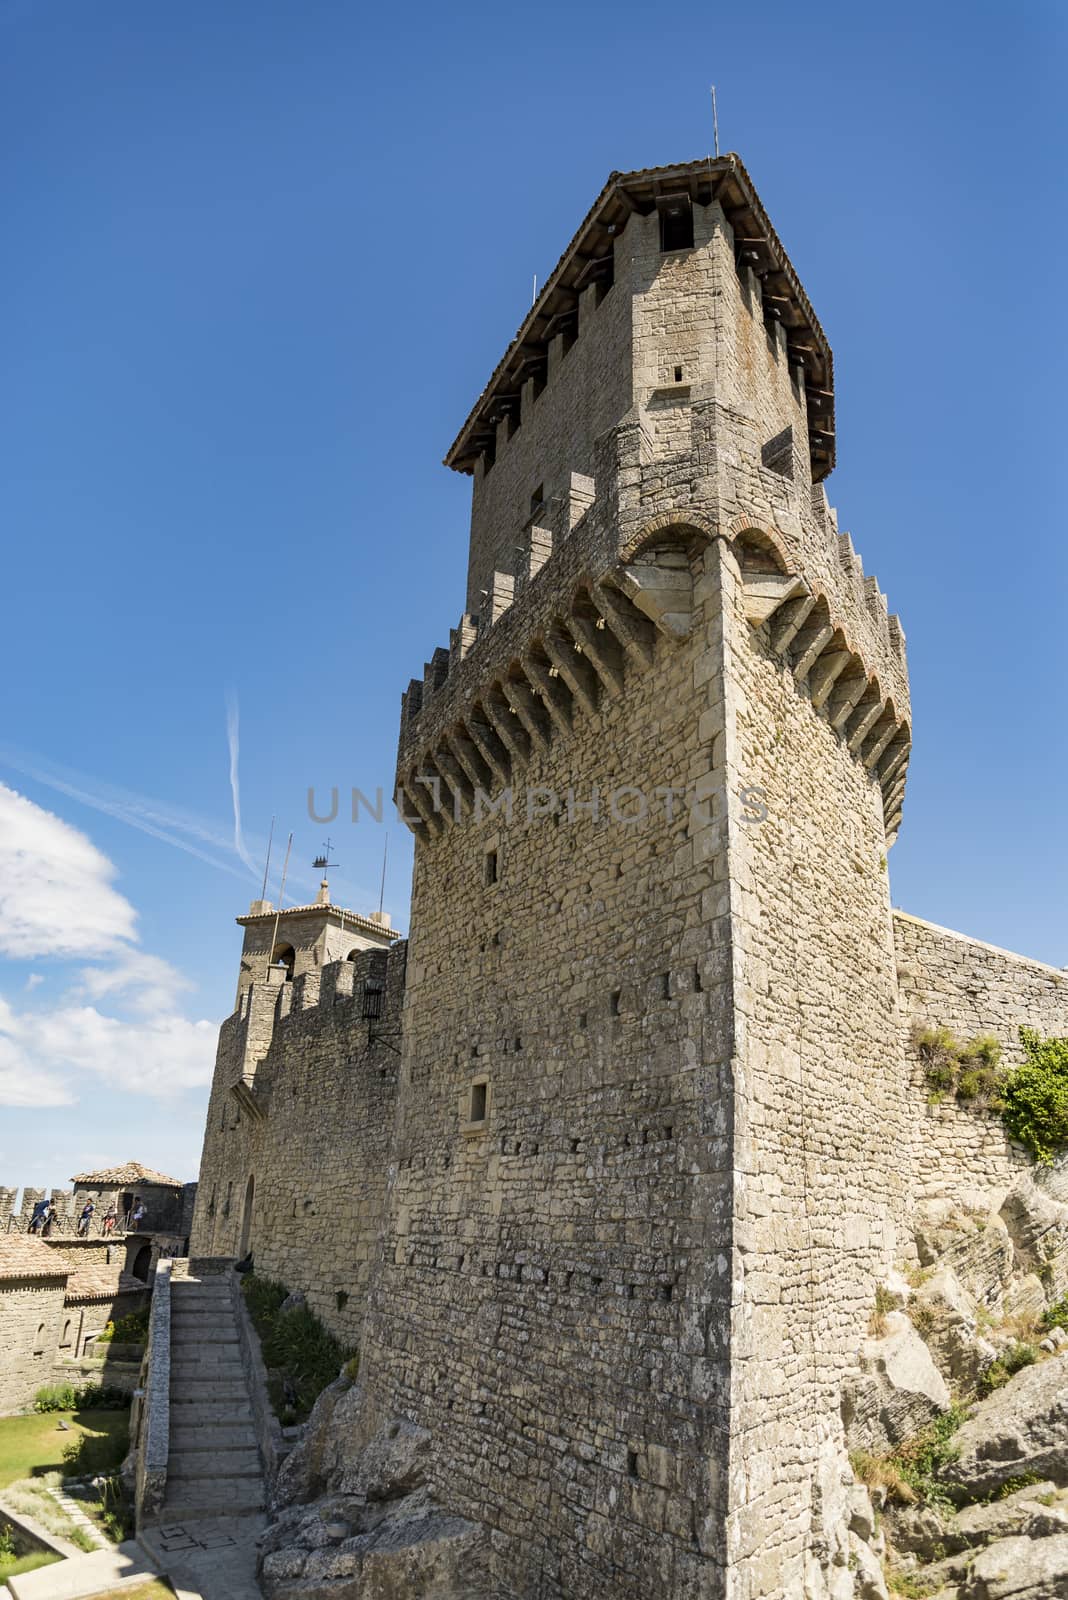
(189, 1334)
(211, 1463)
(230, 1390)
(209, 1413)
(213, 1497)
(210, 1436)
(186, 1364)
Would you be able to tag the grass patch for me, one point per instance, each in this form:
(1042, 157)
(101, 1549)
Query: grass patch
(970, 1072)
(12, 1565)
(1008, 1363)
(1056, 1315)
(32, 1445)
(300, 1354)
(910, 1473)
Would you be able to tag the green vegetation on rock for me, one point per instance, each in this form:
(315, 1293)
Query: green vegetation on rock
(300, 1354)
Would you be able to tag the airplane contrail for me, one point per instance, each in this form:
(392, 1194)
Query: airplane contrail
(233, 736)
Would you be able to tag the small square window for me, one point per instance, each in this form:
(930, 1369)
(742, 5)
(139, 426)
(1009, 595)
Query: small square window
(478, 1103)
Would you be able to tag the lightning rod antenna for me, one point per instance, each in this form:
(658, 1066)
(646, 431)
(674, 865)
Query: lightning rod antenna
(382, 890)
(281, 892)
(267, 863)
(715, 121)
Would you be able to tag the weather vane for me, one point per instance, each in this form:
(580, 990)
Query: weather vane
(323, 863)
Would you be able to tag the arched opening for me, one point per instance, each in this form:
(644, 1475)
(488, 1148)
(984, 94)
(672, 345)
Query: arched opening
(142, 1262)
(246, 1217)
(354, 954)
(284, 955)
(39, 1340)
(65, 1341)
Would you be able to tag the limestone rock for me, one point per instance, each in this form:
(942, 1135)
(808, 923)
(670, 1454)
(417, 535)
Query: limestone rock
(898, 1391)
(944, 1313)
(294, 1301)
(1037, 1223)
(1024, 1297)
(1019, 1569)
(413, 1551)
(868, 1580)
(305, 1470)
(1022, 1428)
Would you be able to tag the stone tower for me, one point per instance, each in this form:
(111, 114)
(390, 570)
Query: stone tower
(644, 1177)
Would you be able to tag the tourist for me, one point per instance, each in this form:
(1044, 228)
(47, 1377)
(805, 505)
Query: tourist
(111, 1216)
(85, 1219)
(49, 1218)
(138, 1216)
(37, 1219)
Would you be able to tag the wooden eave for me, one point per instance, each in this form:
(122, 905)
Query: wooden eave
(757, 246)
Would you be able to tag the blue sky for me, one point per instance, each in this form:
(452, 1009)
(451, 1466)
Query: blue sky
(260, 259)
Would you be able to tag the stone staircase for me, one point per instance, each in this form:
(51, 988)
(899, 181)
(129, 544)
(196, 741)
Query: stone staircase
(213, 1467)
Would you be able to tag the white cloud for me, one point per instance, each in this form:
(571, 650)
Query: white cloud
(148, 983)
(76, 1049)
(57, 899)
(56, 896)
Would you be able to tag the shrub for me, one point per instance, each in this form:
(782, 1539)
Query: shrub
(970, 1071)
(89, 1397)
(131, 1329)
(1056, 1315)
(1011, 1361)
(1036, 1096)
(300, 1354)
(88, 1455)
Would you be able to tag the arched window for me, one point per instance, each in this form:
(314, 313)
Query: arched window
(65, 1341)
(354, 954)
(284, 955)
(39, 1341)
(142, 1263)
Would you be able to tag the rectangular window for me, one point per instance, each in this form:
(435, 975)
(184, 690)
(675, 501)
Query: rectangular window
(537, 502)
(491, 868)
(676, 222)
(477, 1112)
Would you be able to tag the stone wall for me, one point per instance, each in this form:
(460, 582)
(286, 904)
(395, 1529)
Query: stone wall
(31, 1322)
(313, 1137)
(948, 980)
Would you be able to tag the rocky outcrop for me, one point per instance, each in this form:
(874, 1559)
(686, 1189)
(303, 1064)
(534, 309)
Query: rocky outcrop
(360, 1522)
(899, 1389)
(1019, 1569)
(1020, 1429)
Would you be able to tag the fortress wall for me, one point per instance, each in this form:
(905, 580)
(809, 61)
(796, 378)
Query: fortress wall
(319, 1158)
(948, 980)
(552, 1304)
(821, 1125)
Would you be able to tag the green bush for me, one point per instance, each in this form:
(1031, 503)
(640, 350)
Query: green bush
(970, 1071)
(1056, 1315)
(131, 1329)
(1008, 1363)
(87, 1397)
(1036, 1096)
(300, 1354)
(89, 1455)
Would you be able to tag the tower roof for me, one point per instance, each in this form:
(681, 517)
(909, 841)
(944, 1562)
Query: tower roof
(338, 915)
(129, 1172)
(720, 178)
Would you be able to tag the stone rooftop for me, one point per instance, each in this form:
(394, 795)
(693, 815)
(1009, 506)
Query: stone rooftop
(23, 1256)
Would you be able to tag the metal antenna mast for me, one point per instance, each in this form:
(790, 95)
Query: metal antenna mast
(267, 863)
(382, 890)
(715, 121)
(281, 892)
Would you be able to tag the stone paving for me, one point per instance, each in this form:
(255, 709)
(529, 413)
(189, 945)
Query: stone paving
(214, 1558)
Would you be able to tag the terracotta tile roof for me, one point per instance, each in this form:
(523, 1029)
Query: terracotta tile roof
(102, 1283)
(26, 1256)
(132, 1172)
